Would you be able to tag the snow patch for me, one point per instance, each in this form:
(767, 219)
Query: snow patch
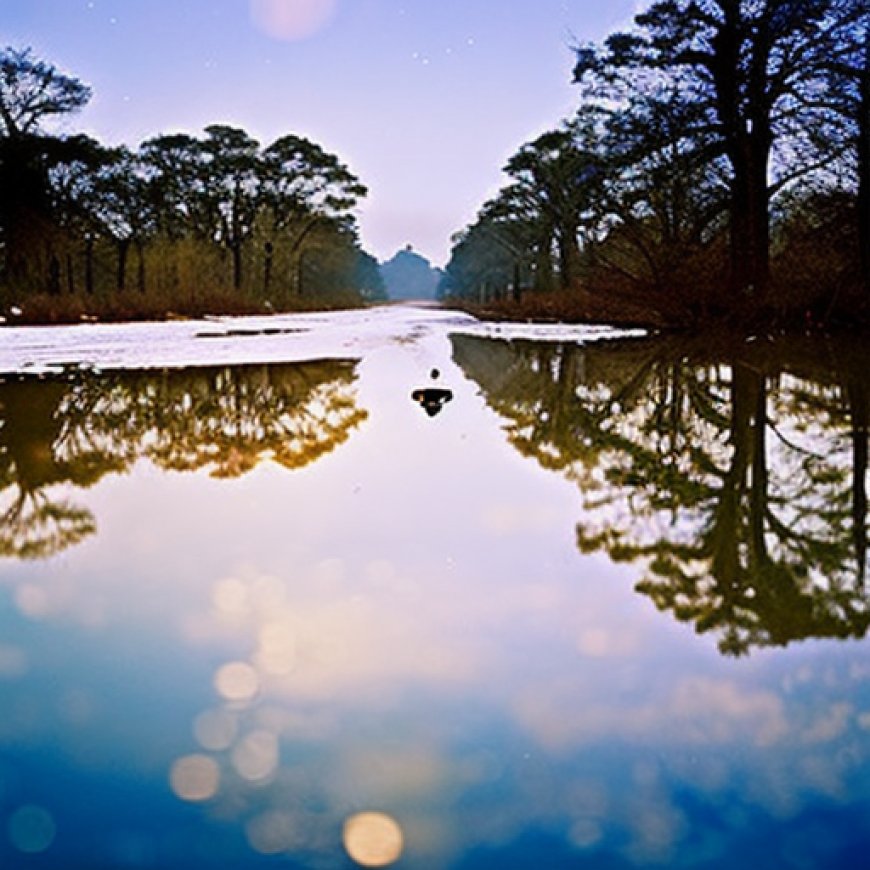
(267, 339)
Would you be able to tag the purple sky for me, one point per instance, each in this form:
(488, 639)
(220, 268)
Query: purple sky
(424, 99)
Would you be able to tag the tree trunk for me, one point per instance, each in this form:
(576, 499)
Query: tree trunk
(569, 256)
(864, 171)
(140, 266)
(70, 274)
(747, 135)
(759, 478)
(544, 266)
(123, 250)
(236, 249)
(750, 233)
(725, 529)
(89, 264)
(267, 268)
(54, 275)
(858, 410)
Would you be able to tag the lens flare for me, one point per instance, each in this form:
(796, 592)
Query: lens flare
(292, 20)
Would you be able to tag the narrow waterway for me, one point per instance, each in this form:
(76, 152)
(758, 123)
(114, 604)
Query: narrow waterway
(398, 587)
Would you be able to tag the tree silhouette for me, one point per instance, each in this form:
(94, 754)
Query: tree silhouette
(753, 69)
(123, 210)
(33, 90)
(304, 189)
(848, 99)
(206, 217)
(552, 176)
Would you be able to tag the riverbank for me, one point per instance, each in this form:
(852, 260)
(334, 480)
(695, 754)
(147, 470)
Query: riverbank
(578, 306)
(45, 309)
(676, 312)
(278, 338)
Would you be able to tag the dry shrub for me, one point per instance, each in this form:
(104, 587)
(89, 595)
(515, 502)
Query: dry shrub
(577, 305)
(131, 305)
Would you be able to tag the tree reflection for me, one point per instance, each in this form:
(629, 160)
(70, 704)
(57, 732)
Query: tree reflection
(737, 476)
(75, 429)
(35, 523)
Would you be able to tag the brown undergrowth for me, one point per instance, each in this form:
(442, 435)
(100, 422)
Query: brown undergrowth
(575, 306)
(46, 308)
(788, 306)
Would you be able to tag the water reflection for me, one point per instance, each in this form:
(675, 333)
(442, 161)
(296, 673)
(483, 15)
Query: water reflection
(35, 523)
(736, 476)
(400, 656)
(431, 398)
(70, 431)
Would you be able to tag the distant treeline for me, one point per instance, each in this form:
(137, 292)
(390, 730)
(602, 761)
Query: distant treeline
(718, 167)
(182, 222)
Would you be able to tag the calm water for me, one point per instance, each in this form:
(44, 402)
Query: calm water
(589, 606)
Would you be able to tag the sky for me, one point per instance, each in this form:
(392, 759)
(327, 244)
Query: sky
(424, 100)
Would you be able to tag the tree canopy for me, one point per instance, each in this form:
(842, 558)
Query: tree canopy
(717, 143)
(33, 90)
(215, 216)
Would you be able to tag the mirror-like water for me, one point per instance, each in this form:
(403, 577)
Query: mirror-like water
(458, 602)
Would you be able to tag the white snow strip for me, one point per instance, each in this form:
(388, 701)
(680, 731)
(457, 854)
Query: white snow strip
(240, 340)
(561, 332)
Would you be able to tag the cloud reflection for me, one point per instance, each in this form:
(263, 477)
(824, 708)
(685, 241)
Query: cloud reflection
(698, 711)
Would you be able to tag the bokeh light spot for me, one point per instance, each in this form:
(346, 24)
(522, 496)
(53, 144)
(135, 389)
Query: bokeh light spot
(33, 601)
(277, 649)
(195, 778)
(255, 757)
(292, 20)
(271, 832)
(231, 597)
(237, 681)
(373, 839)
(31, 829)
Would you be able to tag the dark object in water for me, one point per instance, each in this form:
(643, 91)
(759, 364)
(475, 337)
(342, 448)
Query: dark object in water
(431, 399)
